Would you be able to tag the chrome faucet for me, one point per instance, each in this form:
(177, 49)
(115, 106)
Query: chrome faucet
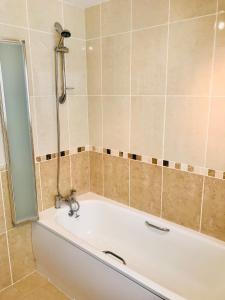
(71, 201)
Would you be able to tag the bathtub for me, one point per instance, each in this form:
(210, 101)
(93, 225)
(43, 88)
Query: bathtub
(112, 252)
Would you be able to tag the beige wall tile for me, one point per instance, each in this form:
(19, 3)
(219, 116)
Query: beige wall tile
(6, 199)
(42, 53)
(115, 16)
(96, 173)
(48, 180)
(46, 125)
(149, 61)
(221, 5)
(149, 13)
(76, 66)
(147, 122)
(116, 65)
(78, 121)
(5, 279)
(95, 120)
(182, 193)
(190, 57)
(92, 20)
(21, 253)
(38, 186)
(10, 15)
(93, 67)
(2, 217)
(43, 14)
(219, 61)
(145, 187)
(116, 178)
(216, 142)
(182, 9)
(186, 129)
(213, 215)
(80, 168)
(116, 122)
(74, 20)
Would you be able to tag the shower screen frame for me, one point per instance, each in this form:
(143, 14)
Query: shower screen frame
(3, 117)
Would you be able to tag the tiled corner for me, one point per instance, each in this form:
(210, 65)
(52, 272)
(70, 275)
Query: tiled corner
(80, 172)
(145, 187)
(21, 252)
(116, 178)
(182, 196)
(213, 214)
(96, 173)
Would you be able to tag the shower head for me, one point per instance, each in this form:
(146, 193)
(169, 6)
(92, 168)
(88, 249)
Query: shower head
(62, 32)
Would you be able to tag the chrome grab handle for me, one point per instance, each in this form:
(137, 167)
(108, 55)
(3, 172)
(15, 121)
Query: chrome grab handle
(157, 227)
(115, 255)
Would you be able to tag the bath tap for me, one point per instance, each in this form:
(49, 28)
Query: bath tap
(73, 204)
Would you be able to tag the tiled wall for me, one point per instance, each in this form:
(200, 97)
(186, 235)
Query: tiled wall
(33, 21)
(155, 73)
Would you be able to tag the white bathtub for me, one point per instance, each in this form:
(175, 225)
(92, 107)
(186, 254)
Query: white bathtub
(177, 265)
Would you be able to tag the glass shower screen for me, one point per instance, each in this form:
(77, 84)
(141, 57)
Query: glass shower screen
(16, 129)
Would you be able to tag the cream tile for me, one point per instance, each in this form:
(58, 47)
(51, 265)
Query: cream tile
(48, 171)
(186, 129)
(43, 14)
(213, 215)
(147, 122)
(116, 122)
(149, 61)
(190, 57)
(149, 13)
(38, 186)
(78, 121)
(10, 15)
(92, 20)
(80, 167)
(74, 20)
(216, 143)
(182, 9)
(116, 178)
(145, 187)
(47, 127)
(115, 16)
(4, 263)
(95, 120)
(6, 199)
(93, 67)
(2, 218)
(116, 65)
(34, 125)
(21, 253)
(76, 66)
(182, 193)
(96, 173)
(219, 61)
(42, 52)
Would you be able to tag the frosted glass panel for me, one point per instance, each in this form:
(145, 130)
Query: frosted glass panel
(16, 119)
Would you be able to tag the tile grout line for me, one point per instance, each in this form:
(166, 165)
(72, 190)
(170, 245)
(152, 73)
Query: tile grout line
(34, 101)
(6, 230)
(165, 107)
(209, 111)
(130, 99)
(102, 102)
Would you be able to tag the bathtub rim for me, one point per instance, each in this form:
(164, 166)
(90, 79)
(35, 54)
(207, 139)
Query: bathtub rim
(151, 286)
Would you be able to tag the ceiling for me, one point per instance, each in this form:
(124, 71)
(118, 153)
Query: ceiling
(85, 3)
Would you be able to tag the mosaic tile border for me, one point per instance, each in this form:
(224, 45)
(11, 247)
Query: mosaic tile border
(163, 163)
(147, 159)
